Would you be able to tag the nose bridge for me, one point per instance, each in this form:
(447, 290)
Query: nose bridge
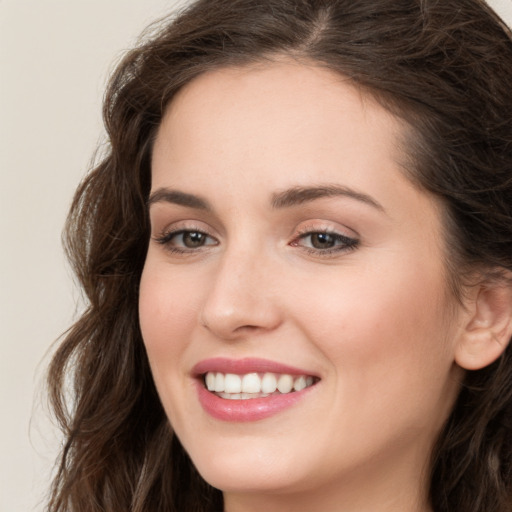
(241, 296)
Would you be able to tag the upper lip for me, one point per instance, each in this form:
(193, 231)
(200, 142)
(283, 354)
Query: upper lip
(246, 365)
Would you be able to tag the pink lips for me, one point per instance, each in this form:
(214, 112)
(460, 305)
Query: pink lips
(242, 366)
(251, 409)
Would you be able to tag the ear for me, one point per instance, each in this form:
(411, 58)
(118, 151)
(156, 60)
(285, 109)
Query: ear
(489, 327)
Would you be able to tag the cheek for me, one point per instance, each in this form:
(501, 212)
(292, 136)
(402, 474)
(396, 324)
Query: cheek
(167, 316)
(381, 319)
(387, 340)
(167, 312)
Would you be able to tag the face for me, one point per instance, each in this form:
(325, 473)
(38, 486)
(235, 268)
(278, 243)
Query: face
(289, 249)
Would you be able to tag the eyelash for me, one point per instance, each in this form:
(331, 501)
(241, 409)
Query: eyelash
(166, 238)
(345, 243)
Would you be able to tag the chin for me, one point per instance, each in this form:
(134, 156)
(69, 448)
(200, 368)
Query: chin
(231, 468)
(247, 480)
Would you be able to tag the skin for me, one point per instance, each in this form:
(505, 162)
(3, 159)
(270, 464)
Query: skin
(375, 321)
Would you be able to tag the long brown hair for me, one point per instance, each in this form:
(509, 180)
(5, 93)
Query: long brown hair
(445, 67)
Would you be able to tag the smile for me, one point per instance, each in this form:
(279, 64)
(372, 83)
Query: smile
(254, 385)
(250, 389)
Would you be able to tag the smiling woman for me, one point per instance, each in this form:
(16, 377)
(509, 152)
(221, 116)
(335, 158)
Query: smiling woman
(298, 259)
(320, 278)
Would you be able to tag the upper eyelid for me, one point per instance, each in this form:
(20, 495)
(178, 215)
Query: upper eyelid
(334, 234)
(348, 243)
(311, 230)
(165, 240)
(163, 215)
(326, 232)
(183, 225)
(302, 228)
(170, 232)
(319, 226)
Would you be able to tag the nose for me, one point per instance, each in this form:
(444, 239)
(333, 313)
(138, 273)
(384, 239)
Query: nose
(242, 298)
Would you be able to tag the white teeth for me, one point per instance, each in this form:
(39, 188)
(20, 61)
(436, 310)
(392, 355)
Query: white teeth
(210, 381)
(219, 382)
(285, 383)
(251, 383)
(300, 383)
(242, 396)
(254, 385)
(268, 383)
(246, 396)
(232, 383)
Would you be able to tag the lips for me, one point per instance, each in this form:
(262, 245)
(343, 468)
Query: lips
(249, 389)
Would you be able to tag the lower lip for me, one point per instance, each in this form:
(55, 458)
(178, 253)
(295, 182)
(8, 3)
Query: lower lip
(251, 409)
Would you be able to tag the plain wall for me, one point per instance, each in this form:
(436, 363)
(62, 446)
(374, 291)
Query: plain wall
(55, 56)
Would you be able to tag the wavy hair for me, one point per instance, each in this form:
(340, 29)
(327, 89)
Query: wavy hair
(445, 68)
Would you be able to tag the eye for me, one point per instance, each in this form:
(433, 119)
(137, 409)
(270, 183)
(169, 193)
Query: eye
(185, 240)
(191, 239)
(324, 242)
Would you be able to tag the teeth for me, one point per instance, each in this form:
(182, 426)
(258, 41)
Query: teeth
(269, 383)
(219, 382)
(299, 383)
(232, 383)
(210, 381)
(242, 396)
(285, 383)
(253, 385)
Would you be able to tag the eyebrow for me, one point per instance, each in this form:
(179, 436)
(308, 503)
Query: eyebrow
(291, 197)
(299, 195)
(180, 198)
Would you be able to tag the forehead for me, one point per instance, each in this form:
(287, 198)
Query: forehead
(288, 117)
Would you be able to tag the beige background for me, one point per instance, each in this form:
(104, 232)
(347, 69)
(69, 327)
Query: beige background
(55, 56)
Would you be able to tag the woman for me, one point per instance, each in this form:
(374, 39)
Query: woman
(297, 254)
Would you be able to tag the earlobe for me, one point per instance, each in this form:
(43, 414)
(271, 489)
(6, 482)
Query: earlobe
(489, 328)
